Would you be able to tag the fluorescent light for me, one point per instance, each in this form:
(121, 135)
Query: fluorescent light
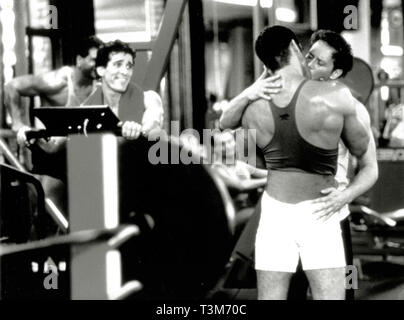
(282, 14)
(266, 3)
(385, 33)
(239, 2)
(395, 51)
(135, 36)
(251, 3)
(385, 36)
(285, 14)
(384, 93)
(391, 65)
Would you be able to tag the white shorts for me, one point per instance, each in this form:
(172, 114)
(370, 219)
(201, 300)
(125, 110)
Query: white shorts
(287, 232)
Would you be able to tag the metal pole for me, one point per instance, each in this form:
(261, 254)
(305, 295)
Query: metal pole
(50, 207)
(258, 25)
(272, 13)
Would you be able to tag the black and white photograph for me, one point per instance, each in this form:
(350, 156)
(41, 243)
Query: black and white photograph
(197, 158)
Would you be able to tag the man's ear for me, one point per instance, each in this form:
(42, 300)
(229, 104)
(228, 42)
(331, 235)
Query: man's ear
(336, 74)
(100, 71)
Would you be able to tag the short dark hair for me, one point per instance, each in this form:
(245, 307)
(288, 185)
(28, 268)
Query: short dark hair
(103, 54)
(272, 46)
(343, 58)
(84, 45)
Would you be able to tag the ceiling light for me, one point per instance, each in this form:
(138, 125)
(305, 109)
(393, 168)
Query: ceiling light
(286, 15)
(266, 3)
(251, 3)
(395, 51)
(239, 2)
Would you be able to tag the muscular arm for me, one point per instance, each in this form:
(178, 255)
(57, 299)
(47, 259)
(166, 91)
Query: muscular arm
(29, 86)
(154, 114)
(261, 88)
(355, 133)
(363, 180)
(368, 168)
(258, 120)
(152, 120)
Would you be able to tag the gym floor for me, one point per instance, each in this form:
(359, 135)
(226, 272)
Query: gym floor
(380, 279)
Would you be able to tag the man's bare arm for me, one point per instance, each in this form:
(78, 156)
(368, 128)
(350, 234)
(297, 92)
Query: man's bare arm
(363, 180)
(154, 114)
(368, 168)
(262, 88)
(29, 86)
(355, 133)
(256, 119)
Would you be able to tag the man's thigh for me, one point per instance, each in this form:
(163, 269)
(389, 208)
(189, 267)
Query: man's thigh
(273, 285)
(327, 284)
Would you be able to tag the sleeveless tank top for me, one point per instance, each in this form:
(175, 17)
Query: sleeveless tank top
(288, 151)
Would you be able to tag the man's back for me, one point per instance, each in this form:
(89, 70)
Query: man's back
(319, 113)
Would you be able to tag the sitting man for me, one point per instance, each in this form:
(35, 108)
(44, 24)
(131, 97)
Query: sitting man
(237, 175)
(141, 111)
(243, 180)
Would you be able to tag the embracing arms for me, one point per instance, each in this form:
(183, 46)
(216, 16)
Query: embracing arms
(263, 87)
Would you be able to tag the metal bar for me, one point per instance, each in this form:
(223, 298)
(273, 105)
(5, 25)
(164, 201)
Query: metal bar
(83, 237)
(7, 133)
(93, 203)
(50, 207)
(184, 46)
(10, 156)
(313, 15)
(164, 44)
(21, 66)
(272, 13)
(41, 32)
(258, 25)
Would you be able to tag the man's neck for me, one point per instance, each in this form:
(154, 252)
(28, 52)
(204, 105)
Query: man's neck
(291, 78)
(290, 73)
(111, 97)
(80, 79)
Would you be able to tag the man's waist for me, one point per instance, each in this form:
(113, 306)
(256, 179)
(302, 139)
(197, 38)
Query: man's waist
(297, 186)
